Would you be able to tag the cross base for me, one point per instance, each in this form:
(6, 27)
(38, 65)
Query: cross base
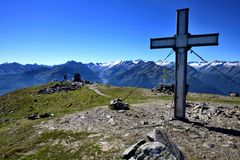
(179, 119)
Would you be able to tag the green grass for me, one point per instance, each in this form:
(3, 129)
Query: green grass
(16, 106)
(138, 95)
(213, 99)
(56, 151)
(17, 133)
(52, 145)
(16, 139)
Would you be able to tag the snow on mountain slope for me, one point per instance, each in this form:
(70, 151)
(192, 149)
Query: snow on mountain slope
(165, 64)
(198, 65)
(109, 65)
(230, 64)
(138, 60)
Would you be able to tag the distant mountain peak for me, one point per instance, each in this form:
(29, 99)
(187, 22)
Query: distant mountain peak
(71, 62)
(110, 64)
(137, 61)
(13, 63)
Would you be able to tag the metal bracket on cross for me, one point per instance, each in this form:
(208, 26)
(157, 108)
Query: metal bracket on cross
(181, 43)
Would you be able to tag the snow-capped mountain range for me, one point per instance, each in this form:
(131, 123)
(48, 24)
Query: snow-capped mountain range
(196, 65)
(202, 77)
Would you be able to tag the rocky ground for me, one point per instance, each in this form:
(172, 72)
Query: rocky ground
(212, 133)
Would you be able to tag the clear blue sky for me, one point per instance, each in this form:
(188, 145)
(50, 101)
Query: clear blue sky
(55, 31)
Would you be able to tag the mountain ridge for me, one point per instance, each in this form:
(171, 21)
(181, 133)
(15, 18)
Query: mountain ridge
(147, 74)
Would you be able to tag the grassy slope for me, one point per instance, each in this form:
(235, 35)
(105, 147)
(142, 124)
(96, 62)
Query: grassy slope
(214, 99)
(17, 134)
(18, 137)
(20, 140)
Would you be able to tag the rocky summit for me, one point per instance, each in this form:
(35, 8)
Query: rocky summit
(79, 124)
(212, 131)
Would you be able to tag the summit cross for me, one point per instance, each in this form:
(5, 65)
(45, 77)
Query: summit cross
(181, 43)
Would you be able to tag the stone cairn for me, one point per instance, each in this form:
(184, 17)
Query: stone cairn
(233, 94)
(77, 77)
(164, 88)
(118, 104)
(158, 147)
(61, 87)
(66, 85)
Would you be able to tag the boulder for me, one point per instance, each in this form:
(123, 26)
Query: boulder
(159, 148)
(154, 150)
(130, 152)
(157, 136)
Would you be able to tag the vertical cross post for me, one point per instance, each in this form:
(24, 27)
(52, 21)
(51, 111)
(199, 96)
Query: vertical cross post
(181, 64)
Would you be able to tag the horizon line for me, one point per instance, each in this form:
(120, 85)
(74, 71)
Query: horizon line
(34, 63)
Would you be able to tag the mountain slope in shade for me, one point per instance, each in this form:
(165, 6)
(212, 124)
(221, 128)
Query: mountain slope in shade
(201, 76)
(16, 68)
(42, 75)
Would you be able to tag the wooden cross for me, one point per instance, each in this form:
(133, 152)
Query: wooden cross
(181, 43)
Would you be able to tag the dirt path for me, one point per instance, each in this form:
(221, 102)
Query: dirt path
(94, 88)
(216, 136)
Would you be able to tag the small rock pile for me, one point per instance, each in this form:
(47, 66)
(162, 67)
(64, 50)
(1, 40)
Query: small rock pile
(118, 104)
(164, 88)
(62, 87)
(38, 116)
(159, 147)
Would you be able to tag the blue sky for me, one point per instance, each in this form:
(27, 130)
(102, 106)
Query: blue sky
(56, 31)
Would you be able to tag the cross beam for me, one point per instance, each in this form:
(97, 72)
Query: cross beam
(181, 43)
